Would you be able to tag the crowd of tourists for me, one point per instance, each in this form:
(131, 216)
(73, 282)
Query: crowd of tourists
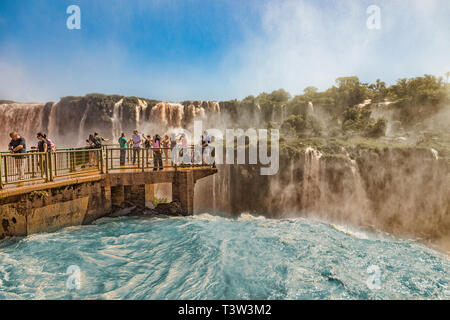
(18, 147)
(156, 148)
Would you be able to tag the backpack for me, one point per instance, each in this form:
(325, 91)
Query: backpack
(98, 142)
(50, 146)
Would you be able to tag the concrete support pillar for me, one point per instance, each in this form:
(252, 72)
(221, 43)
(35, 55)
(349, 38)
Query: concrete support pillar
(135, 194)
(149, 195)
(183, 190)
(117, 195)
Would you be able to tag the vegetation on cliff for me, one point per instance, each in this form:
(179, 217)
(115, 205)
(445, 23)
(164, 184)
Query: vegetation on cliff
(410, 113)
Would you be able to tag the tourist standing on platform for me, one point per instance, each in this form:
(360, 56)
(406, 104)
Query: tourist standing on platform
(148, 142)
(42, 146)
(123, 148)
(51, 147)
(166, 145)
(136, 140)
(184, 152)
(18, 146)
(206, 140)
(91, 145)
(157, 154)
(98, 141)
(173, 141)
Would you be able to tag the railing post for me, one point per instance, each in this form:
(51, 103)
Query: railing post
(33, 173)
(55, 162)
(1, 172)
(143, 160)
(111, 158)
(49, 165)
(70, 154)
(44, 159)
(106, 160)
(6, 169)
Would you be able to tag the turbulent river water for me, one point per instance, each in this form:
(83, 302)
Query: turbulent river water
(213, 257)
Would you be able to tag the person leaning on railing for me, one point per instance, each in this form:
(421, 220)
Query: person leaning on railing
(18, 146)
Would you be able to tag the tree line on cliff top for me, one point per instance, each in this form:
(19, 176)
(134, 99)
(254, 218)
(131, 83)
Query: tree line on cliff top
(347, 106)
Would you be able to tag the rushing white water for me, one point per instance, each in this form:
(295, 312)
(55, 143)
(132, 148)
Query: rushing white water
(141, 109)
(52, 125)
(435, 153)
(310, 109)
(81, 135)
(117, 120)
(311, 177)
(167, 114)
(212, 257)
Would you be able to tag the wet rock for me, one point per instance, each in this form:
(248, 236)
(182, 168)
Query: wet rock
(172, 209)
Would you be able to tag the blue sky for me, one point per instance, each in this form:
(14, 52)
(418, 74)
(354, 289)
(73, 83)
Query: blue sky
(213, 49)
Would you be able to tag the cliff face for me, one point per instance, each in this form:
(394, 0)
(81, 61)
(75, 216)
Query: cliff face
(400, 191)
(70, 121)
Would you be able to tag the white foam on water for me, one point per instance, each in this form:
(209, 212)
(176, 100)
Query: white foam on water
(351, 231)
(245, 216)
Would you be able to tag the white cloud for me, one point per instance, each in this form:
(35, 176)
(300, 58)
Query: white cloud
(313, 42)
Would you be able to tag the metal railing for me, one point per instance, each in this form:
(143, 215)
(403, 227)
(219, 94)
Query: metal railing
(152, 158)
(46, 166)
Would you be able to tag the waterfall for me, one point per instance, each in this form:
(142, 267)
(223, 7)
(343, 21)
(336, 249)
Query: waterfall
(283, 113)
(357, 200)
(286, 194)
(311, 177)
(117, 120)
(24, 118)
(168, 114)
(143, 107)
(310, 110)
(215, 106)
(81, 137)
(214, 195)
(140, 109)
(52, 124)
(435, 153)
